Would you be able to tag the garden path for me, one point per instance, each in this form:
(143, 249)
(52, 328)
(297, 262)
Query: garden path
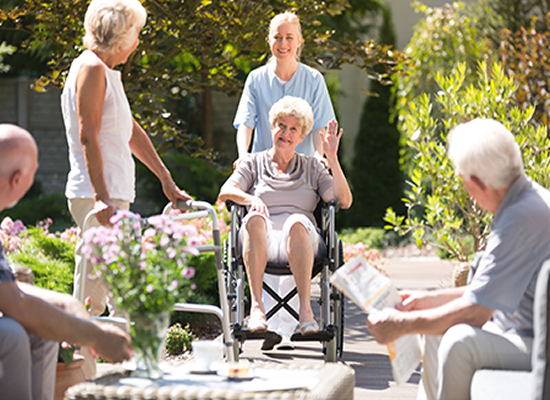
(370, 360)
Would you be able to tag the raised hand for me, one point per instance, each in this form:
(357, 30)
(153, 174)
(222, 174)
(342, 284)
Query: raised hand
(331, 139)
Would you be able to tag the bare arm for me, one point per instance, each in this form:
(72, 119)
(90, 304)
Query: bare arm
(90, 95)
(244, 136)
(51, 322)
(388, 325)
(232, 191)
(143, 149)
(318, 143)
(423, 300)
(340, 189)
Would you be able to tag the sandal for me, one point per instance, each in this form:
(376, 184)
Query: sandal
(257, 323)
(309, 328)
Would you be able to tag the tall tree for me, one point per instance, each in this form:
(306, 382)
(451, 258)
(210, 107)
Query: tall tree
(375, 174)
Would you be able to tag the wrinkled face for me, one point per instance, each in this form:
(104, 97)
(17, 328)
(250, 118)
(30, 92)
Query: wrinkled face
(287, 132)
(25, 180)
(477, 193)
(284, 41)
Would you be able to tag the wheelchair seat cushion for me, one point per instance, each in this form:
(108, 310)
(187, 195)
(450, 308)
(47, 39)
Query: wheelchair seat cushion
(278, 230)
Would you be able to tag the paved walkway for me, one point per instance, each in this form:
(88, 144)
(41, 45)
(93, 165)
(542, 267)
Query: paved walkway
(369, 359)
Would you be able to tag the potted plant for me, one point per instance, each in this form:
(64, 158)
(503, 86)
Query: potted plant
(147, 273)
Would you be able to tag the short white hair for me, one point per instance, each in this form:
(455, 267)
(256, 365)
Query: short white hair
(295, 107)
(111, 24)
(484, 148)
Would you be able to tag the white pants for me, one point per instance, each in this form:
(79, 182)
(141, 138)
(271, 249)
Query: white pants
(27, 363)
(94, 288)
(451, 360)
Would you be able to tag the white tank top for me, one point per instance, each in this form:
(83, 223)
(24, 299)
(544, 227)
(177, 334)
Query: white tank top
(114, 137)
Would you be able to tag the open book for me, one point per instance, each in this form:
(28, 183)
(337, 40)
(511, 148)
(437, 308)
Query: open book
(372, 291)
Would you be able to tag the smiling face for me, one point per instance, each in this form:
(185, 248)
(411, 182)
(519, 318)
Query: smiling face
(287, 133)
(284, 40)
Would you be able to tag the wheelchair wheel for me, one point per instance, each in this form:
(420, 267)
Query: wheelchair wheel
(334, 349)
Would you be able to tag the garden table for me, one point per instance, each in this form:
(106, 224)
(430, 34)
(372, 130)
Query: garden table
(331, 381)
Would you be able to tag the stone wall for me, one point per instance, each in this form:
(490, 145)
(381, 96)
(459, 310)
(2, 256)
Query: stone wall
(40, 114)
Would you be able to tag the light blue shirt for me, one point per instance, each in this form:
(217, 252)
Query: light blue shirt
(263, 89)
(504, 275)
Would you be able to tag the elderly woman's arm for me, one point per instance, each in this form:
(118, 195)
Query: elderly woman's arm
(340, 189)
(90, 95)
(232, 191)
(143, 149)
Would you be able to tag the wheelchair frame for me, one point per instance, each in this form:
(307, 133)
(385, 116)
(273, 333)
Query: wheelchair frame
(331, 300)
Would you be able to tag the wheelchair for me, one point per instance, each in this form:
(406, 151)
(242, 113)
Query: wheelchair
(331, 300)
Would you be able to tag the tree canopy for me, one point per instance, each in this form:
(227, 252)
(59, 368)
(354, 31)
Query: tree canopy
(189, 47)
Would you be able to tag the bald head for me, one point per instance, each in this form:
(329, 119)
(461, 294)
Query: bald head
(18, 163)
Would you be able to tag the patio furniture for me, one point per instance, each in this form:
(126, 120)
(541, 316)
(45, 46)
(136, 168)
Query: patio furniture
(332, 381)
(490, 384)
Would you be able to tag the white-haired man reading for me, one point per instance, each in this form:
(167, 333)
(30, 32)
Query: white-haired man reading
(489, 322)
(32, 320)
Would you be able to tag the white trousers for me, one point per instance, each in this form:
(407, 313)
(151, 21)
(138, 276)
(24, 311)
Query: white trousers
(27, 363)
(451, 360)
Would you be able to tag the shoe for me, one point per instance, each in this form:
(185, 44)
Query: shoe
(285, 344)
(309, 328)
(257, 323)
(271, 339)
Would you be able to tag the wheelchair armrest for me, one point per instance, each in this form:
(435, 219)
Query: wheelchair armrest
(335, 204)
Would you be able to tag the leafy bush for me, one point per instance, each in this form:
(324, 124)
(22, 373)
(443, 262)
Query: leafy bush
(33, 209)
(455, 221)
(178, 339)
(371, 237)
(49, 256)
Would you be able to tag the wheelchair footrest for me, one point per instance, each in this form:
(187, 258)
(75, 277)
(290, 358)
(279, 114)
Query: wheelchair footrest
(321, 336)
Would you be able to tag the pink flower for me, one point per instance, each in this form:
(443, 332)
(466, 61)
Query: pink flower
(171, 252)
(193, 286)
(174, 284)
(7, 224)
(188, 272)
(149, 288)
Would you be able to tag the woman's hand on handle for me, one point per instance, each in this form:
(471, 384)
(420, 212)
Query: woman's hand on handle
(104, 209)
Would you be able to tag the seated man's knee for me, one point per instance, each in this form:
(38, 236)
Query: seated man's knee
(15, 360)
(456, 344)
(13, 337)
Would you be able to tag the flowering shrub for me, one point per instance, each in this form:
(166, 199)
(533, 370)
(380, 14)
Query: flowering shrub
(178, 339)
(371, 255)
(147, 273)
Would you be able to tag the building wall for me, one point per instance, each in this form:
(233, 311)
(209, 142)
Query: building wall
(40, 114)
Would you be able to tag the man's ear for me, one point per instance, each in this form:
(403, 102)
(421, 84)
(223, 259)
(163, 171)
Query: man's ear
(478, 182)
(15, 178)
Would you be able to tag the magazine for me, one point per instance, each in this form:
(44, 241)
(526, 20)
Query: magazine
(372, 291)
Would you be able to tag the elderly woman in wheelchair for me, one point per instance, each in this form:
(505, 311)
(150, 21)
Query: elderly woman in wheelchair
(281, 189)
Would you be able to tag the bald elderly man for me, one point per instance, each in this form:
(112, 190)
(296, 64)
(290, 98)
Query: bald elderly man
(33, 321)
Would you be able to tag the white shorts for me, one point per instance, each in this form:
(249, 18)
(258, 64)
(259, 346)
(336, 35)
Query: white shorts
(278, 230)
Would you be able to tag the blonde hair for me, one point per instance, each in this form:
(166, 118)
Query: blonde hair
(287, 16)
(111, 24)
(484, 148)
(295, 107)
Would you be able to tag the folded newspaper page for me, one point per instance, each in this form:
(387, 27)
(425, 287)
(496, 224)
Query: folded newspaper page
(372, 291)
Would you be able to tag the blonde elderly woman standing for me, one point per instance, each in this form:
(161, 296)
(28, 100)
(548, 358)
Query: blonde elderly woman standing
(281, 189)
(102, 134)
